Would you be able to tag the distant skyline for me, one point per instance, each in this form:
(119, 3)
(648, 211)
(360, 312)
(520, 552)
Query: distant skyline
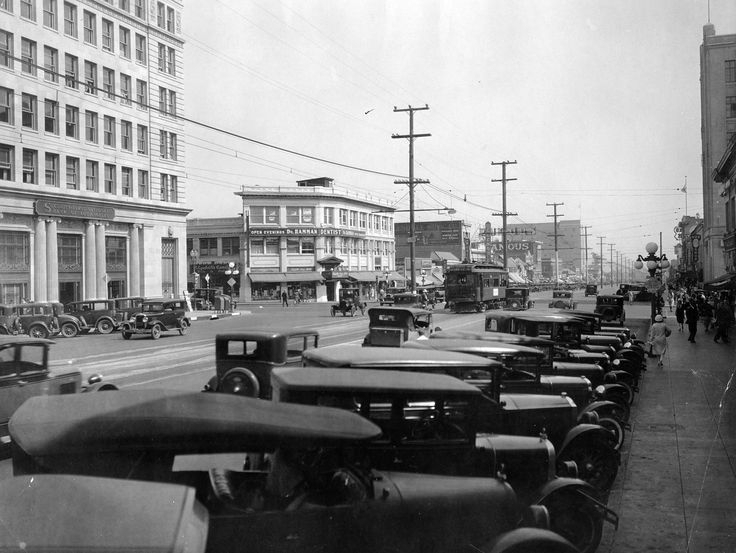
(598, 102)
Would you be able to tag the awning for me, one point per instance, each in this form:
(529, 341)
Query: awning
(303, 276)
(394, 276)
(267, 277)
(365, 276)
(721, 283)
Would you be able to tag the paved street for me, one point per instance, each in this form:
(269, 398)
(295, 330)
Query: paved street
(676, 487)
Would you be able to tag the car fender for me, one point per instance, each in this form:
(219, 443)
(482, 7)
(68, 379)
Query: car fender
(585, 432)
(561, 483)
(528, 540)
(100, 387)
(599, 407)
(615, 387)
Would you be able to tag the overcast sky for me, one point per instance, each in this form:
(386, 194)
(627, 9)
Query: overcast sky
(597, 101)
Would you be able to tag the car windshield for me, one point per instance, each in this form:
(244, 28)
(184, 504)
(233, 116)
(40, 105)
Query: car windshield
(152, 307)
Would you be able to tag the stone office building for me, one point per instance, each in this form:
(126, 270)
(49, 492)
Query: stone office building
(91, 150)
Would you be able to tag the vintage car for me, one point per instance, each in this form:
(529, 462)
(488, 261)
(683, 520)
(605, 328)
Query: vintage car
(591, 290)
(156, 317)
(523, 372)
(430, 425)
(517, 298)
(127, 307)
(391, 326)
(349, 303)
(388, 297)
(99, 315)
(591, 446)
(611, 308)
(244, 360)
(274, 476)
(24, 373)
(34, 518)
(45, 319)
(9, 321)
(562, 299)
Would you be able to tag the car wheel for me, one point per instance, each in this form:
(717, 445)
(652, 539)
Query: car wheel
(616, 428)
(621, 396)
(576, 519)
(156, 332)
(38, 331)
(240, 381)
(127, 335)
(104, 326)
(184, 328)
(596, 459)
(69, 330)
(608, 314)
(560, 305)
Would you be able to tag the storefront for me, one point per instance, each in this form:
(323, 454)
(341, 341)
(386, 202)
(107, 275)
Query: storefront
(301, 284)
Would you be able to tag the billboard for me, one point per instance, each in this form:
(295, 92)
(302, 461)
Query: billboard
(430, 236)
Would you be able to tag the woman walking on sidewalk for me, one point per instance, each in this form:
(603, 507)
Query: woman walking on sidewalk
(691, 318)
(658, 334)
(680, 314)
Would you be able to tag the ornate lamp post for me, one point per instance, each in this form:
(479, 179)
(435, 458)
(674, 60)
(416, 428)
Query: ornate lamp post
(654, 264)
(232, 271)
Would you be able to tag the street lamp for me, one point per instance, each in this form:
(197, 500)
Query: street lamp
(231, 271)
(655, 265)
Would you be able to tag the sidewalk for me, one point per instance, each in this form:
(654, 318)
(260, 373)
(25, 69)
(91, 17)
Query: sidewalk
(676, 487)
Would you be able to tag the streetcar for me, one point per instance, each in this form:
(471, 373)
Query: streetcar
(475, 286)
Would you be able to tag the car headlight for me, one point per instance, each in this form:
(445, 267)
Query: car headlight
(144, 319)
(600, 390)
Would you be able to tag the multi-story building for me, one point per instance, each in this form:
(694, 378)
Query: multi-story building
(569, 247)
(314, 238)
(718, 124)
(725, 175)
(91, 149)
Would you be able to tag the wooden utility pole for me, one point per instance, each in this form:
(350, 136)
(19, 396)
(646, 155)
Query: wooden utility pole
(556, 234)
(601, 239)
(504, 214)
(585, 234)
(411, 136)
(610, 261)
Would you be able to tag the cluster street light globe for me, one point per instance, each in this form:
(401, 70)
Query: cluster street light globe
(655, 265)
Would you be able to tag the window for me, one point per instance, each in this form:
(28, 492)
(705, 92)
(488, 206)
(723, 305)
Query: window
(140, 9)
(51, 64)
(50, 17)
(344, 217)
(30, 166)
(6, 49)
(109, 131)
(90, 77)
(207, 246)
(28, 56)
(7, 162)
(124, 5)
(307, 245)
(69, 250)
(93, 176)
(329, 216)
(172, 103)
(730, 106)
(108, 82)
(173, 152)
(261, 215)
(363, 220)
(110, 184)
(29, 108)
(126, 135)
(163, 99)
(124, 42)
(108, 35)
(140, 49)
(7, 101)
(51, 116)
(170, 19)
(90, 28)
(141, 93)
(292, 245)
(230, 245)
(70, 19)
(162, 57)
(72, 173)
(167, 144)
(125, 90)
(160, 15)
(143, 191)
(353, 218)
(72, 122)
(142, 139)
(28, 9)
(6, 5)
(299, 215)
(165, 188)
(126, 181)
(116, 251)
(731, 71)
(52, 169)
(171, 68)
(71, 70)
(90, 126)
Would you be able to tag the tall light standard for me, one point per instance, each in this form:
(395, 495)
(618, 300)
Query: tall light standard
(655, 265)
(231, 271)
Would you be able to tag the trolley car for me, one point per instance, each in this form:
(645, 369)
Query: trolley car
(475, 286)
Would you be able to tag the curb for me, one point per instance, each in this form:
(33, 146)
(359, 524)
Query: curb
(205, 316)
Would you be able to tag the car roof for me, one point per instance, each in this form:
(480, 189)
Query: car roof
(412, 310)
(541, 316)
(256, 335)
(62, 513)
(504, 337)
(375, 381)
(6, 340)
(471, 346)
(349, 355)
(181, 422)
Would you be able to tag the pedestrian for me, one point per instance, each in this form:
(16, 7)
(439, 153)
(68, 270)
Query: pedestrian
(297, 296)
(680, 314)
(670, 299)
(724, 318)
(658, 334)
(706, 313)
(284, 299)
(691, 318)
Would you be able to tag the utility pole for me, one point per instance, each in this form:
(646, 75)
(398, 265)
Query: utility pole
(556, 234)
(610, 261)
(601, 239)
(503, 180)
(585, 234)
(411, 136)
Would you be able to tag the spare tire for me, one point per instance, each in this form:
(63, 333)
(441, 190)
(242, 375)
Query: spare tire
(608, 314)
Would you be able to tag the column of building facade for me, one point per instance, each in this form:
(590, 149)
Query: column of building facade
(101, 261)
(90, 261)
(52, 260)
(39, 261)
(135, 261)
